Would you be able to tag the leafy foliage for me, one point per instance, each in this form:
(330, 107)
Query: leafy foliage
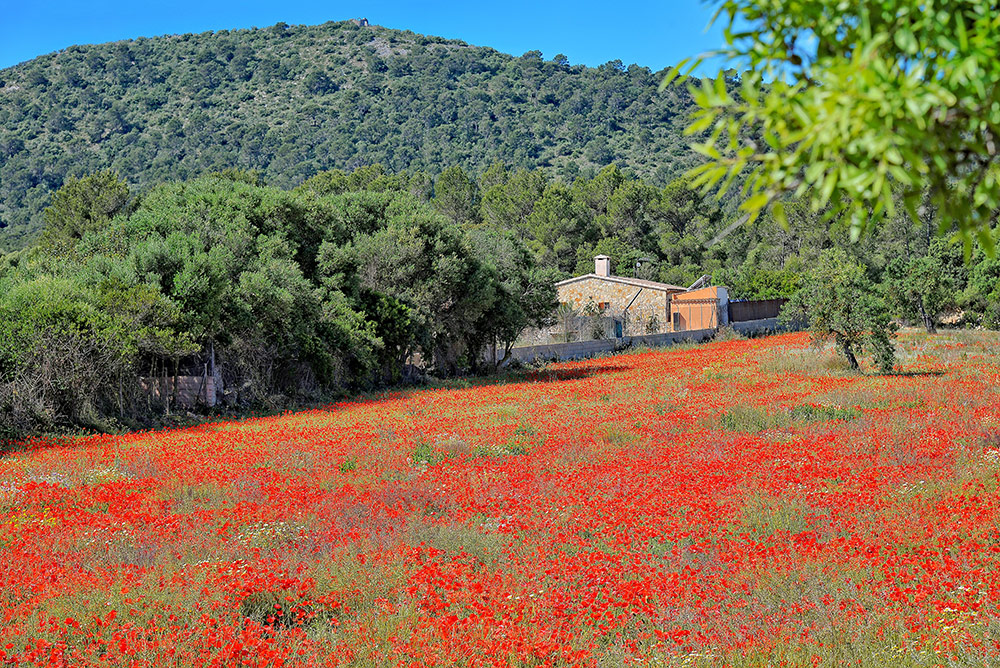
(298, 294)
(526, 294)
(981, 298)
(84, 205)
(920, 288)
(68, 346)
(861, 98)
(342, 281)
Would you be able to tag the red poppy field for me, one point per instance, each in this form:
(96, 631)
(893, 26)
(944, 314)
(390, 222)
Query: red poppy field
(743, 503)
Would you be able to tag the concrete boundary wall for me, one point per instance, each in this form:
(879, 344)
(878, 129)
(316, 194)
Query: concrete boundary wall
(766, 326)
(582, 349)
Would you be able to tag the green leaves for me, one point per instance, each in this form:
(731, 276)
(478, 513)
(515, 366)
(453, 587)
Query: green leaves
(755, 202)
(84, 205)
(906, 41)
(778, 211)
(895, 95)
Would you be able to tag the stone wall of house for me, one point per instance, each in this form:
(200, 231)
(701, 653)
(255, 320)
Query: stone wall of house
(649, 311)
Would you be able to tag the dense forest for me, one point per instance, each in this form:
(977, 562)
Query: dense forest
(291, 101)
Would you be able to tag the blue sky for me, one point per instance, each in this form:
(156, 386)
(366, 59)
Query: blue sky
(654, 34)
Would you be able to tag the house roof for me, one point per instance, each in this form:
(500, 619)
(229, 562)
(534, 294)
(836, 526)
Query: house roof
(637, 282)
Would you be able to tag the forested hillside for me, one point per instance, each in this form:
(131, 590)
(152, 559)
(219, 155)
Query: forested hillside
(290, 101)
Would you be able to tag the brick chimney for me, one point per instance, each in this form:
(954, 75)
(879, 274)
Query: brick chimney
(602, 265)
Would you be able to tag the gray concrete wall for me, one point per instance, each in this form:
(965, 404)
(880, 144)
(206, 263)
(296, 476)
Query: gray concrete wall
(761, 327)
(583, 349)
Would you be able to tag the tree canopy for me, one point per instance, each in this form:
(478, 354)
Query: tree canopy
(859, 107)
(839, 302)
(297, 294)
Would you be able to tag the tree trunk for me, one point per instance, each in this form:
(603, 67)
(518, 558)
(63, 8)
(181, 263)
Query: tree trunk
(507, 350)
(217, 385)
(173, 390)
(928, 321)
(851, 359)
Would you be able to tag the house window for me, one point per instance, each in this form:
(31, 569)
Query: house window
(677, 321)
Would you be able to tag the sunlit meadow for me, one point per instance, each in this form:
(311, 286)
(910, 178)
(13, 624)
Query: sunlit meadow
(743, 503)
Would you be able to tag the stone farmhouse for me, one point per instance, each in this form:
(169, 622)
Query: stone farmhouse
(632, 307)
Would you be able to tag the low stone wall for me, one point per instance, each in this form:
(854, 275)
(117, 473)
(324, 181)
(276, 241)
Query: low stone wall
(583, 349)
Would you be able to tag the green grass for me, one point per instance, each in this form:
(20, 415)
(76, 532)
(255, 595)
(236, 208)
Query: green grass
(752, 419)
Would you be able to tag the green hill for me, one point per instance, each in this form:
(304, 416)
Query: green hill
(291, 101)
